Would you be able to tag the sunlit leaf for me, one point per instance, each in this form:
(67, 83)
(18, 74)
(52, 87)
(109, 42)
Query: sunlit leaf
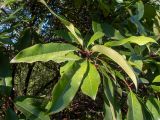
(156, 84)
(91, 81)
(140, 40)
(153, 106)
(156, 79)
(119, 1)
(96, 36)
(135, 111)
(58, 52)
(116, 57)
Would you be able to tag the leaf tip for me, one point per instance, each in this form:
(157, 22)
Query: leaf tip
(13, 60)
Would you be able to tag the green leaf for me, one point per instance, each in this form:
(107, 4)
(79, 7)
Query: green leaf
(140, 10)
(5, 39)
(8, 19)
(108, 86)
(116, 57)
(96, 27)
(136, 18)
(11, 115)
(156, 84)
(153, 106)
(65, 35)
(5, 85)
(135, 111)
(107, 112)
(91, 81)
(27, 107)
(112, 111)
(96, 36)
(5, 75)
(68, 25)
(156, 79)
(104, 7)
(25, 39)
(109, 31)
(58, 52)
(156, 88)
(7, 2)
(140, 40)
(64, 91)
(119, 1)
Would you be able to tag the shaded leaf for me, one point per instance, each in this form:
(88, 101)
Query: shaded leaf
(68, 85)
(5, 75)
(107, 29)
(26, 106)
(109, 94)
(65, 35)
(11, 115)
(25, 39)
(140, 10)
(5, 39)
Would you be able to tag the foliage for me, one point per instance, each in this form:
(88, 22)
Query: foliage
(110, 47)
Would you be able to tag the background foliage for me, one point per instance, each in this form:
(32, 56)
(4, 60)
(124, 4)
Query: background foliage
(80, 59)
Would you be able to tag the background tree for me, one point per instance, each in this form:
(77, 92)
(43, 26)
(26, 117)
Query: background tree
(107, 56)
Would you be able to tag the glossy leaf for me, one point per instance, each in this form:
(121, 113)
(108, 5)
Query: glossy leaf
(140, 40)
(91, 81)
(68, 25)
(116, 57)
(57, 52)
(27, 107)
(135, 111)
(68, 85)
(96, 36)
